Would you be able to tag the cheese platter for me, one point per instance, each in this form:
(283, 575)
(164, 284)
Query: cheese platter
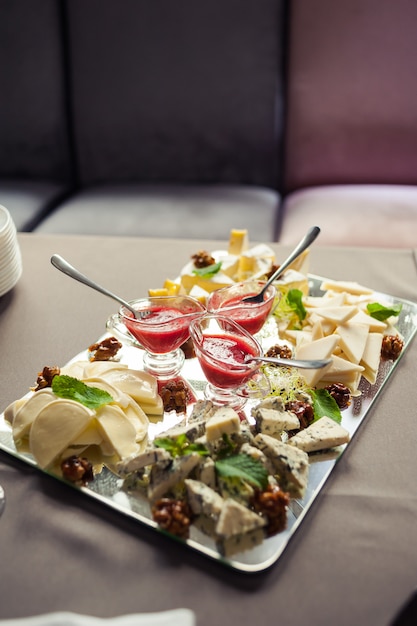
(365, 376)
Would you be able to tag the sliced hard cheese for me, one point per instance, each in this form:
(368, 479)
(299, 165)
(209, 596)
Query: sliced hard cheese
(57, 425)
(347, 286)
(321, 435)
(217, 281)
(117, 431)
(238, 241)
(372, 356)
(319, 349)
(336, 314)
(373, 324)
(352, 340)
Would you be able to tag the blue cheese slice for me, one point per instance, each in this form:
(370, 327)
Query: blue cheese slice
(202, 499)
(321, 435)
(162, 479)
(273, 422)
(225, 421)
(291, 464)
(236, 519)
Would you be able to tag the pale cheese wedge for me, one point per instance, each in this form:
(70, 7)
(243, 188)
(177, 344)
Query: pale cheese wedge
(217, 281)
(346, 286)
(372, 356)
(373, 324)
(352, 340)
(323, 434)
(319, 349)
(138, 418)
(94, 369)
(238, 241)
(336, 314)
(56, 426)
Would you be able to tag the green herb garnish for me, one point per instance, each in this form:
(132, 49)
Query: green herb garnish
(325, 404)
(180, 446)
(244, 467)
(208, 271)
(73, 389)
(381, 312)
(291, 309)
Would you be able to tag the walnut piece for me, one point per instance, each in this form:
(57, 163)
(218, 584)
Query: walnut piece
(174, 396)
(104, 350)
(77, 470)
(283, 352)
(341, 394)
(392, 346)
(272, 504)
(203, 259)
(45, 377)
(174, 516)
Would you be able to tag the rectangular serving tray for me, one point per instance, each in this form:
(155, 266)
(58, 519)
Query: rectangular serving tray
(109, 490)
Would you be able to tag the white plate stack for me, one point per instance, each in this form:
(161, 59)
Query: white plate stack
(10, 257)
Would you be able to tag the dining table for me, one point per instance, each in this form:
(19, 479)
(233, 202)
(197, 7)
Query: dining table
(352, 560)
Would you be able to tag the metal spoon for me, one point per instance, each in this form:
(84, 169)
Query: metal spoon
(304, 243)
(306, 364)
(65, 267)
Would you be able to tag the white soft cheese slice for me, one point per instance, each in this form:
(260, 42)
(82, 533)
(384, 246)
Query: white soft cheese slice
(55, 428)
(321, 435)
(326, 300)
(140, 385)
(117, 430)
(94, 369)
(373, 324)
(26, 415)
(352, 339)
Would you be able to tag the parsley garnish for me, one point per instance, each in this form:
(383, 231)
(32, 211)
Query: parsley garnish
(208, 271)
(73, 389)
(244, 467)
(180, 446)
(381, 312)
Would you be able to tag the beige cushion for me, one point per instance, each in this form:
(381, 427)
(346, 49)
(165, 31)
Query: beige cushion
(353, 215)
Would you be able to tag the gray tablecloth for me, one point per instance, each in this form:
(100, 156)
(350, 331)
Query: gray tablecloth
(353, 559)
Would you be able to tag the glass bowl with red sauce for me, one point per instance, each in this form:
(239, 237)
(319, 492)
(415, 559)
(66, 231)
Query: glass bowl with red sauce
(161, 330)
(223, 349)
(228, 302)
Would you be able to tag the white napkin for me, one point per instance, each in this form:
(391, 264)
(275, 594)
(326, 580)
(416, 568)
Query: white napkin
(176, 617)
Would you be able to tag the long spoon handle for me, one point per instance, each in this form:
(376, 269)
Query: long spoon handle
(65, 267)
(302, 364)
(305, 242)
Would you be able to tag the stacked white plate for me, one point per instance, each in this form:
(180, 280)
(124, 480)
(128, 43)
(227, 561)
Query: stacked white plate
(10, 257)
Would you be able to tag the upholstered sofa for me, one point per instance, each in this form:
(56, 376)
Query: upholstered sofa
(185, 118)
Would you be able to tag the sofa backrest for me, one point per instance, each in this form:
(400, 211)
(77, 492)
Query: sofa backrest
(177, 91)
(33, 123)
(352, 92)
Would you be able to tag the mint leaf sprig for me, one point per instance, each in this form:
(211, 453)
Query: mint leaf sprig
(380, 312)
(71, 388)
(325, 404)
(243, 467)
(180, 446)
(209, 271)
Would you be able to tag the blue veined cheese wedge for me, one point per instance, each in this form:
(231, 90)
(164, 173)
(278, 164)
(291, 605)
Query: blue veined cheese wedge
(148, 457)
(162, 478)
(236, 519)
(323, 434)
(291, 465)
(202, 499)
(274, 420)
(225, 421)
(55, 428)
